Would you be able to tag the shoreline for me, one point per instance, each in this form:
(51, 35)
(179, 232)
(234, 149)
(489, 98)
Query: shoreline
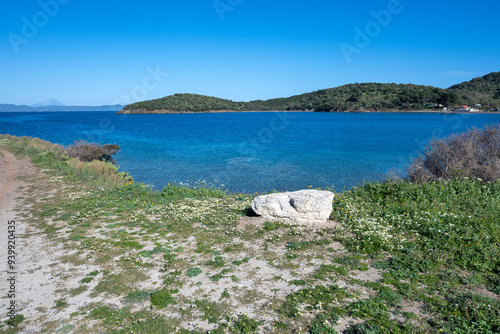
(162, 112)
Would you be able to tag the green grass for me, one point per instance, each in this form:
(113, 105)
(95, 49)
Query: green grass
(435, 245)
(243, 324)
(272, 226)
(432, 232)
(162, 298)
(217, 262)
(18, 318)
(174, 191)
(192, 272)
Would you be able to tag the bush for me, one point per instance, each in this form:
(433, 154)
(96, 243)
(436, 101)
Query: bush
(162, 298)
(191, 272)
(88, 152)
(103, 173)
(475, 153)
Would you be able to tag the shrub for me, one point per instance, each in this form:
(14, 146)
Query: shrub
(82, 161)
(104, 173)
(191, 272)
(475, 153)
(88, 152)
(16, 321)
(319, 325)
(162, 298)
(244, 325)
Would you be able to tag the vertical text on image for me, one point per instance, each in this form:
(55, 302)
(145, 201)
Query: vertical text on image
(11, 272)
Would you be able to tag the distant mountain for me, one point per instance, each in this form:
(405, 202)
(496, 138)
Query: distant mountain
(17, 108)
(352, 97)
(48, 103)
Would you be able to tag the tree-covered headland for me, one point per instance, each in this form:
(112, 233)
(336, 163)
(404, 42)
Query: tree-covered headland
(358, 97)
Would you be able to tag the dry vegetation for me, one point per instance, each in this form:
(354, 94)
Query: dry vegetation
(475, 153)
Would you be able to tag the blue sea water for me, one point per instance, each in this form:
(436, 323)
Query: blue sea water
(252, 152)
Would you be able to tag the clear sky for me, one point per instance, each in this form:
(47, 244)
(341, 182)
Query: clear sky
(105, 52)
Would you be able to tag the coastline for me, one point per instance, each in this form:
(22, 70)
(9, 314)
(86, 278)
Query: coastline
(160, 112)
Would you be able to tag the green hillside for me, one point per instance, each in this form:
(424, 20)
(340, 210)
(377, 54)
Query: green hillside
(185, 102)
(352, 97)
(484, 90)
(361, 97)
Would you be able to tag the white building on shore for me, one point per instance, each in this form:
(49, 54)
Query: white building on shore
(465, 108)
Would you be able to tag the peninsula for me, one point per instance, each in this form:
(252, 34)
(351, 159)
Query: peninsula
(482, 92)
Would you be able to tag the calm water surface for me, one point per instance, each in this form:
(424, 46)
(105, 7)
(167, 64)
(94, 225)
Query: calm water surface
(251, 152)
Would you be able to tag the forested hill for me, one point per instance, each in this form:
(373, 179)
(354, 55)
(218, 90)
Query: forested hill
(352, 97)
(184, 102)
(484, 90)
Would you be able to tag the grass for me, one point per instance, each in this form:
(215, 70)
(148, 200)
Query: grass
(162, 298)
(441, 235)
(174, 191)
(192, 272)
(244, 324)
(434, 247)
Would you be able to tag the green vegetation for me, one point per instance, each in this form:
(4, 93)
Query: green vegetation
(484, 90)
(16, 321)
(185, 102)
(162, 298)
(137, 297)
(192, 272)
(245, 325)
(405, 256)
(98, 170)
(352, 97)
(89, 277)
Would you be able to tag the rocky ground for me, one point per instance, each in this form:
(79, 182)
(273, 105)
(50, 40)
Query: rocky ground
(49, 271)
(97, 253)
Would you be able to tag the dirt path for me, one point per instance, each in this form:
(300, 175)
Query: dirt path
(31, 287)
(37, 260)
(7, 178)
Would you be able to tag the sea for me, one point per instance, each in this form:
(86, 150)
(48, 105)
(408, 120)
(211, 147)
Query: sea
(252, 152)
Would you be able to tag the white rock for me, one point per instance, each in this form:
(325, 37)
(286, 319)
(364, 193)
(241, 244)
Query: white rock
(303, 206)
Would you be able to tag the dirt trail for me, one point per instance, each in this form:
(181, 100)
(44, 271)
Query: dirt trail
(7, 176)
(36, 259)
(29, 293)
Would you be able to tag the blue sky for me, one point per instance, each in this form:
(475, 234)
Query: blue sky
(94, 53)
